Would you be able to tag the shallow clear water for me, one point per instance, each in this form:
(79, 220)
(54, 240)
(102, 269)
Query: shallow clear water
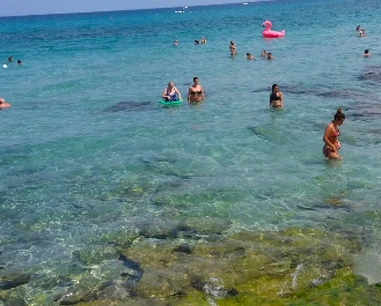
(74, 166)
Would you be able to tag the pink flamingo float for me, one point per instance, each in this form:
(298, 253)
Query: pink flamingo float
(268, 33)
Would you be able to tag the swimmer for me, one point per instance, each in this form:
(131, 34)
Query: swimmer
(10, 59)
(361, 33)
(249, 57)
(366, 53)
(195, 92)
(196, 42)
(270, 56)
(19, 62)
(276, 97)
(4, 104)
(264, 54)
(331, 136)
(232, 48)
(176, 42)
(203, 40)
(358, 28)
(171, 93)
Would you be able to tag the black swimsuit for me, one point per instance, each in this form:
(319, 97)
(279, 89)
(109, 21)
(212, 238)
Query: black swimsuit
(274, 97)
(195, 92)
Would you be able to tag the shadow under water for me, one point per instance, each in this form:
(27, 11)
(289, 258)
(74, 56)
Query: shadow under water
(129, 106)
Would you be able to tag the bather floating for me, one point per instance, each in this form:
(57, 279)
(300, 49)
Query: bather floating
(268, 33)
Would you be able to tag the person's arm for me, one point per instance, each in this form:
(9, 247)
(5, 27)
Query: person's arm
(281, 98)
(202, 93)
(270, 100)
(189, 94)
(327, 133)
(164, 95)
(178, 93)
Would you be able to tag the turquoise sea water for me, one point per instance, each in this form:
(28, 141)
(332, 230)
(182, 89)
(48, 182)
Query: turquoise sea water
(86, 150)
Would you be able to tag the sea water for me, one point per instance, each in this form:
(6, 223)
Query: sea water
(86, 150)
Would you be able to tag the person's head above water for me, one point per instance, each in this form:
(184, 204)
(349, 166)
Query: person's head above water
(275, 87)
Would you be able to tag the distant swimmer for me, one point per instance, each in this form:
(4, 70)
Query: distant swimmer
(171, 93)
(270, 56)
(361, 33)
(19, 62)
(264, 54)
(249, 57)
(4, 104)
(10, 59)
(203, 40)
(195, 92)
(176, 42)
(366, 53)
(358, 28)
(276, 97)
(232, 48)
(196, 42)
(331, 136)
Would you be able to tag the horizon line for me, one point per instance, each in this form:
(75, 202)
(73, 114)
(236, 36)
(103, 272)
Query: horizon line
(129, 10)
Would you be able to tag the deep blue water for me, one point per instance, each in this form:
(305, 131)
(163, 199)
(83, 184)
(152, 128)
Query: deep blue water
(87, 151)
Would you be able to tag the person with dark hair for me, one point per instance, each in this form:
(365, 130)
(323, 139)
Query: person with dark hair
(366, 53)
(19, 62)
(249, 57)
(358, 28)
(195, 92)
(232, 48)
(331, 136)
(276, 97)
(10, 59)
(196, 42)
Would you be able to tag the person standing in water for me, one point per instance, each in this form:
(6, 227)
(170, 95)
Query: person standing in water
(331, 136)
(195, 92)
(232, 48)
(171, 93)
(276, 97)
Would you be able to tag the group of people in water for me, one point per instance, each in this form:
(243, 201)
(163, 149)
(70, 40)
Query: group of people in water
(195, 92)
(10, 60)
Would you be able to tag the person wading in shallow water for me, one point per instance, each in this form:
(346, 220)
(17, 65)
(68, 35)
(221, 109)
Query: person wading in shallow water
(276, 97)
(331, 136)
(195, 92)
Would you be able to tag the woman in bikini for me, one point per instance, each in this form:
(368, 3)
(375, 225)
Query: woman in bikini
(276, 97)
(331, 136)
(171, 93)
(232, 48)
(195, 92)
